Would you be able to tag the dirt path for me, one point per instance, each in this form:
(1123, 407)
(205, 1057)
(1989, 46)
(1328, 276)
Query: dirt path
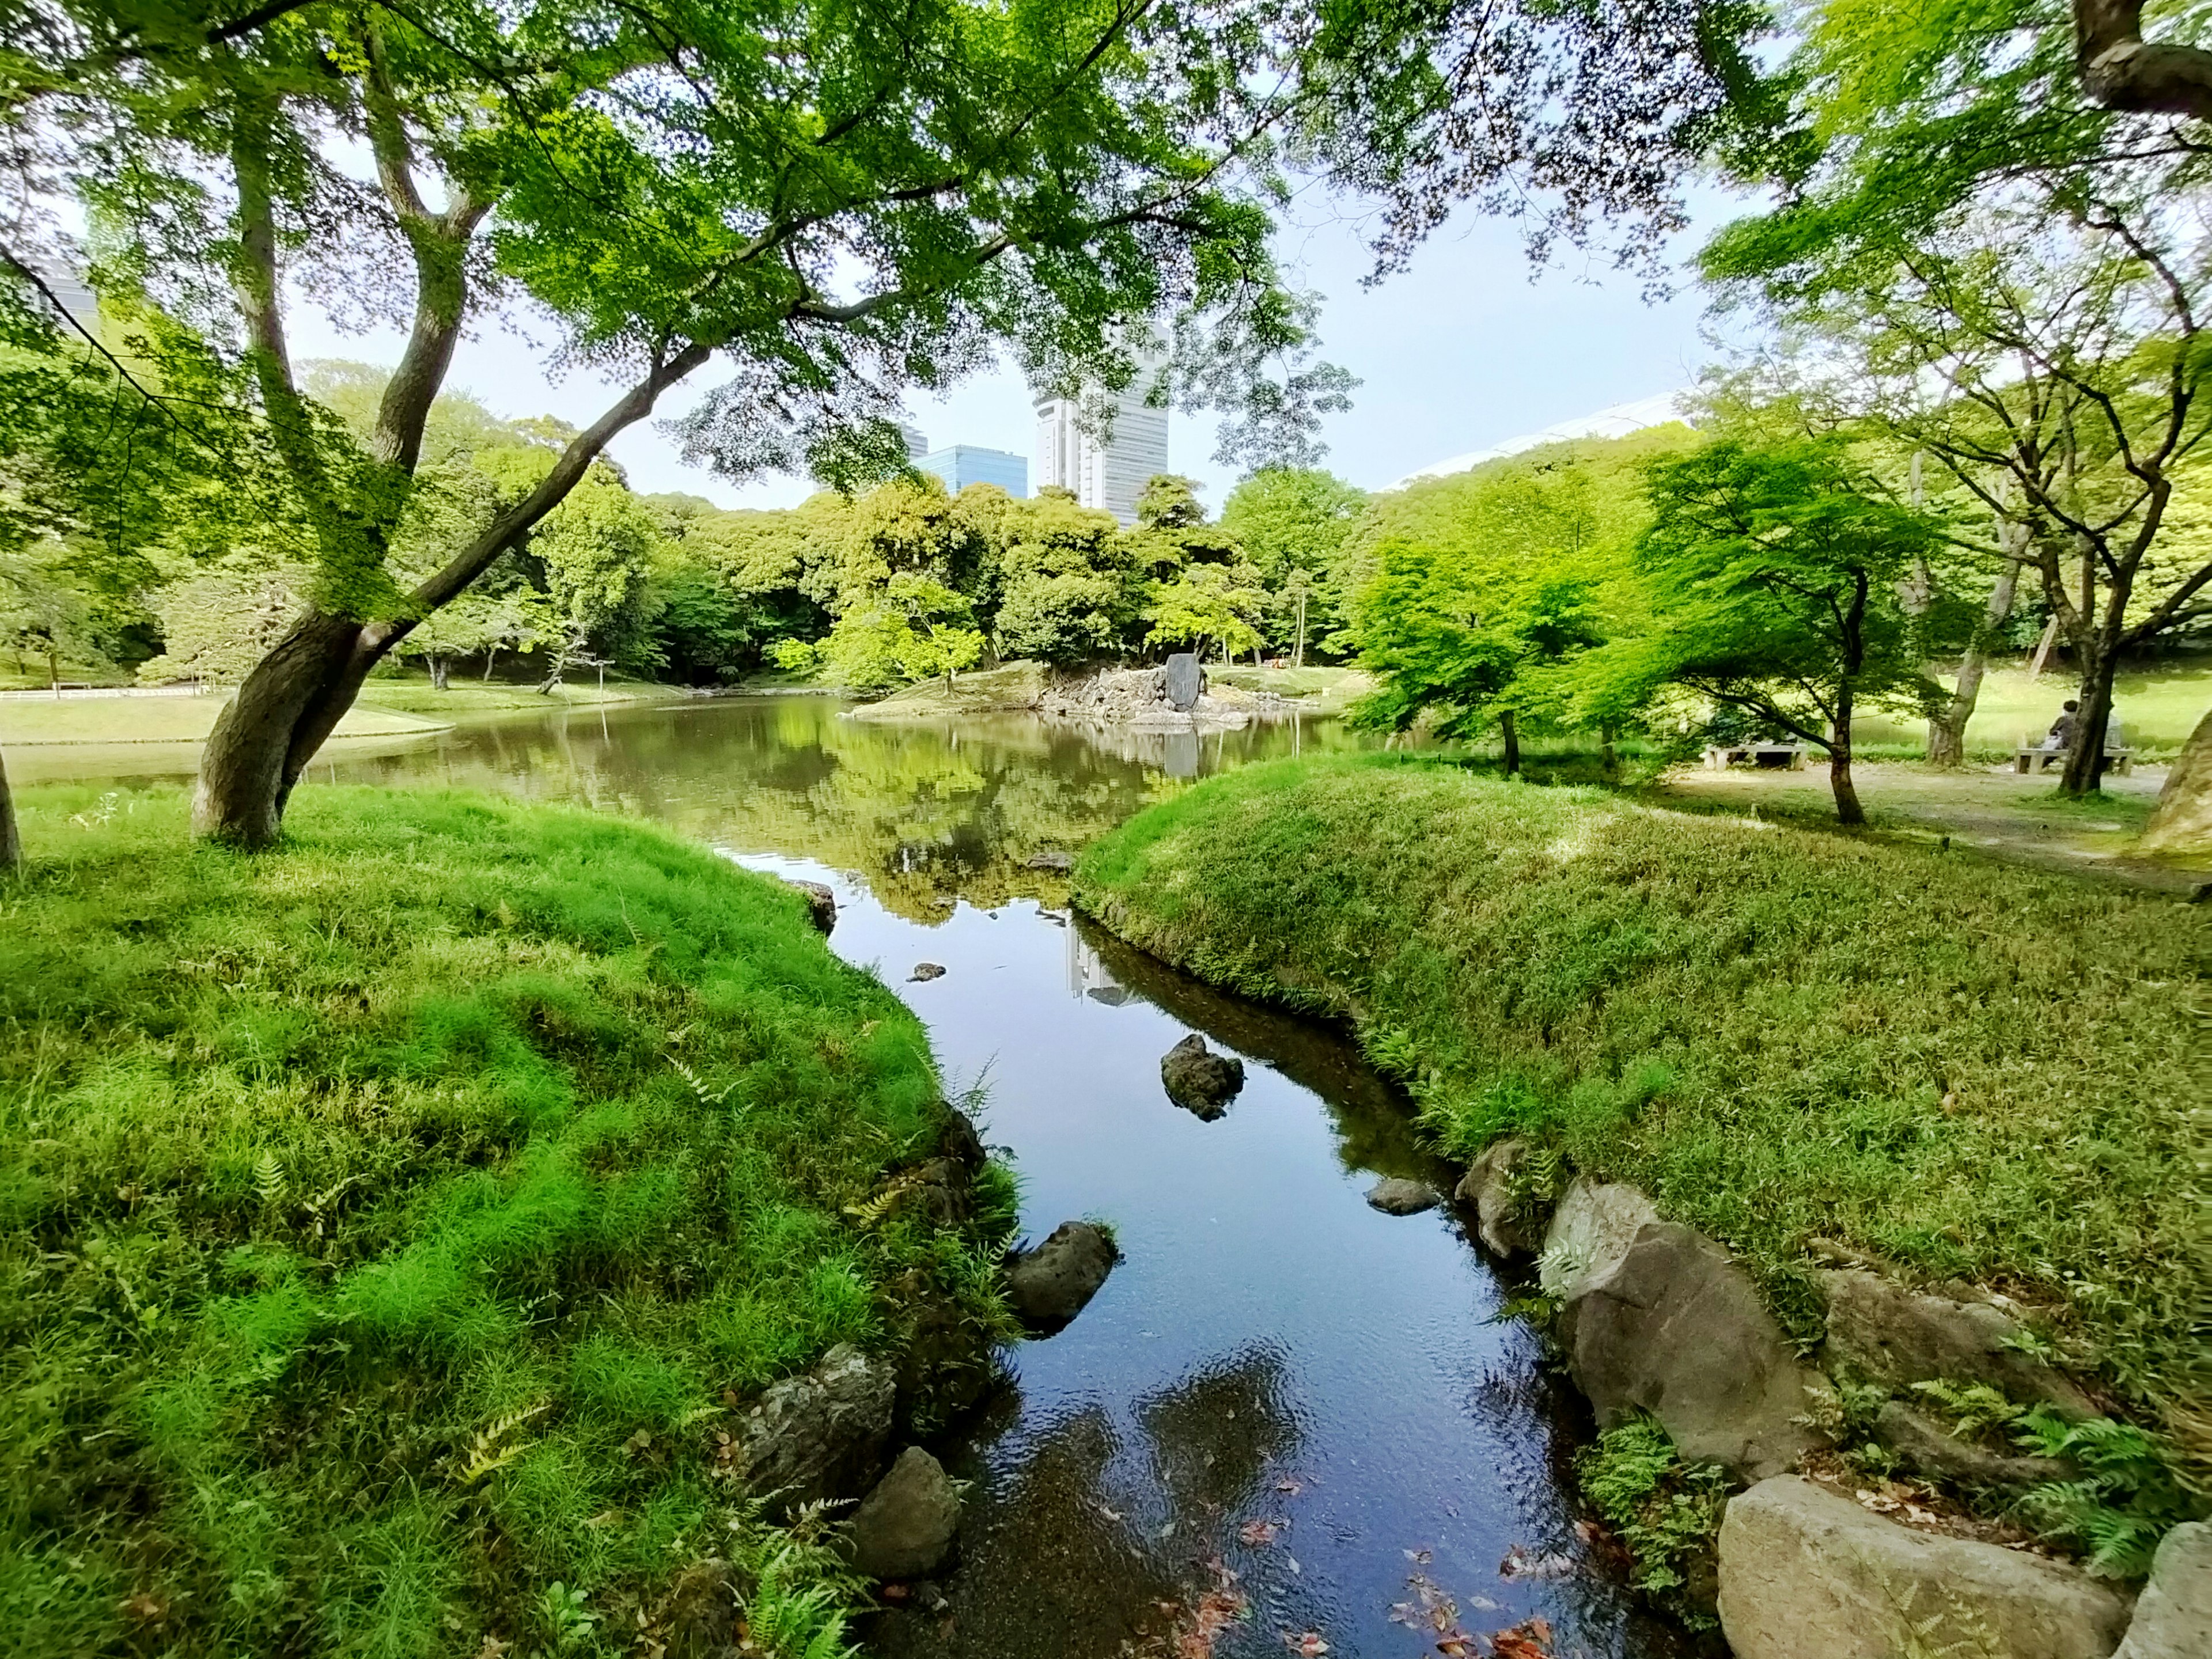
(1994, 810)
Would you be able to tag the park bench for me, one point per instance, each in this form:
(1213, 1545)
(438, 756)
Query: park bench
(2033, 758)
(1774, 755)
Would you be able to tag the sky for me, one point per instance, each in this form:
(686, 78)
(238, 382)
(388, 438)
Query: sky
(1456, 353)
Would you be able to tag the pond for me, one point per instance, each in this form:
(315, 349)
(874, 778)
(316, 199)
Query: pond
(1286, 1414)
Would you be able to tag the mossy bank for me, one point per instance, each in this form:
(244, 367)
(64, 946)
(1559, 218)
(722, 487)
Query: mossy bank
(392, 1219)
(1780, 1034)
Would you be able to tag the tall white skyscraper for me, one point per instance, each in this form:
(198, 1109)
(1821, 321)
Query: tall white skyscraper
(1113, 474)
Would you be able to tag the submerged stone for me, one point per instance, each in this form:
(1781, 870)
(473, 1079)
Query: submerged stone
(821, 903)
(926, 970)
(1503, 1226)
(1396, 1196)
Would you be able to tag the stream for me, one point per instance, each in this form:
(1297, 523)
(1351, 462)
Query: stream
(1287, 1418)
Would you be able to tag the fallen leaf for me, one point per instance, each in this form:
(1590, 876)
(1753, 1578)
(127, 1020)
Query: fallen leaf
(1292, 1561)
(1308, 1645)
(1288, 1486)
(895, 1592)
(1111, 1515)
(1257, 1533)
(1458, 1646)
(1528, 1640)
(1421, 1558)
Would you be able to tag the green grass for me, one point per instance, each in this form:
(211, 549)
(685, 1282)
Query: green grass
(1976, 1071)
(1318, 688)
(409, 692)
(42, 721)
(389, 1218)
(2158, 706)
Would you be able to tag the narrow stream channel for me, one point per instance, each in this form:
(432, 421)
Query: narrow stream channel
(1282, 1398)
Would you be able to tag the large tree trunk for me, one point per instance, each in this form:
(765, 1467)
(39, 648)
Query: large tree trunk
(1947, 729)
(1607, 757)
(2121, 71)
(1848, 810)
(11, 843)
(1509, 728)
(2183, 820)
(2085, 760)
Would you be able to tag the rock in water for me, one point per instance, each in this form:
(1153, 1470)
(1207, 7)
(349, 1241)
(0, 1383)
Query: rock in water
(1396, 1196)
(1675, 1327)
(1185, 680)
(821, 903)
(926, 970)
(819, 1435)
(1488, 1187)
(1062, 862)
(2173, 1620)
(1806, 1573)
(905, 1528)
(1050, 1285)
(1201, 1082)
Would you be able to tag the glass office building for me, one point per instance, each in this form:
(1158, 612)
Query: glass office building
(961, 465)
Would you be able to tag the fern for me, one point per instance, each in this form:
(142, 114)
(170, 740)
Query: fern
(268, 1184)
(2128, 1495)
(487, 1454)
(1667, 1510)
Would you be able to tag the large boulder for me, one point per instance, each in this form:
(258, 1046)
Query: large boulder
(1924, 1445)
(1589, 1233)
(1502, 1220)
(1895, 1334)
(1048, 1286)
(818, 1436)
(2173, 1619)
(1673, 1326)
(2182, 821)
(1806, 1573)
(905, 1528)
(1199, 1080)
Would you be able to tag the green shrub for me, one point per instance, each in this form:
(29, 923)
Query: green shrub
(389, 1215)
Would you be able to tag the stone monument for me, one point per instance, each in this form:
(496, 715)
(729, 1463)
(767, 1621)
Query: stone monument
(1185, 680)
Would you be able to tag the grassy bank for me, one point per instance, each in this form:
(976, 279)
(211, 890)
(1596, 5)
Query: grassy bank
(390, 1219)
(1974, 1070)
(411, 692)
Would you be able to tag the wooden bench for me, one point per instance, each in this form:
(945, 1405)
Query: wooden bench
(1776, 757)
(2033, 758)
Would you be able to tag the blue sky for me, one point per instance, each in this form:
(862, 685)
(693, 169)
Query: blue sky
(1458, 352)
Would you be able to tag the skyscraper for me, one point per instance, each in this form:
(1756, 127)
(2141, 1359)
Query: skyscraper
(1113, 474)
(961, 465)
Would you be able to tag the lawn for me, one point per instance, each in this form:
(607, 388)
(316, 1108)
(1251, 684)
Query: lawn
(392, 1217)
(1976, 1070)
(2158, 706)
(28, 721)
(411, 692)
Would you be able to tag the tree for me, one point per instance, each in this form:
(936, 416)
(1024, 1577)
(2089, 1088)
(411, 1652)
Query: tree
(668, 183)
(1774, 586)
(1291, 523)
(595, 550)
(2049, 360)
(1205, 605)
(1069, 581)
(915, 628)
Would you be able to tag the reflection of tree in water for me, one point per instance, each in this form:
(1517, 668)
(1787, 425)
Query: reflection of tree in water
(924, 812)
(1098, 1542)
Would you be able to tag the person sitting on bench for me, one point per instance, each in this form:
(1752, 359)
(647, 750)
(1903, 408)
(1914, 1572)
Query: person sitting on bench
(2061, 735)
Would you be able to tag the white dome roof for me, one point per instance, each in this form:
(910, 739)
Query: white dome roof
(1617, 421)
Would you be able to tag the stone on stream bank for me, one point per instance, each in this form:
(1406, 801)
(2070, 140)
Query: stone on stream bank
(1048, 1286)
(1923, 1444)
(1894, 1334)
(2173, 1619)
(1396, 1196)
(1806, 1573)
(1503, 1222)
(1199, 1080)
(821, 903)
(818, 1436)
(905, 1528)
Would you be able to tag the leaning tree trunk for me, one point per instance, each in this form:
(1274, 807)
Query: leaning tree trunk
(2182, 821)
(1509, 729)
(11, 844)
(295, 697)
(1947, 729)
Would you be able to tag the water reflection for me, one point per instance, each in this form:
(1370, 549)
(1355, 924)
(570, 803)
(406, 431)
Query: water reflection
(927, 813)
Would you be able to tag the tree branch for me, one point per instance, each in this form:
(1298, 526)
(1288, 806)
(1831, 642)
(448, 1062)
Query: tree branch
(2121, 71)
